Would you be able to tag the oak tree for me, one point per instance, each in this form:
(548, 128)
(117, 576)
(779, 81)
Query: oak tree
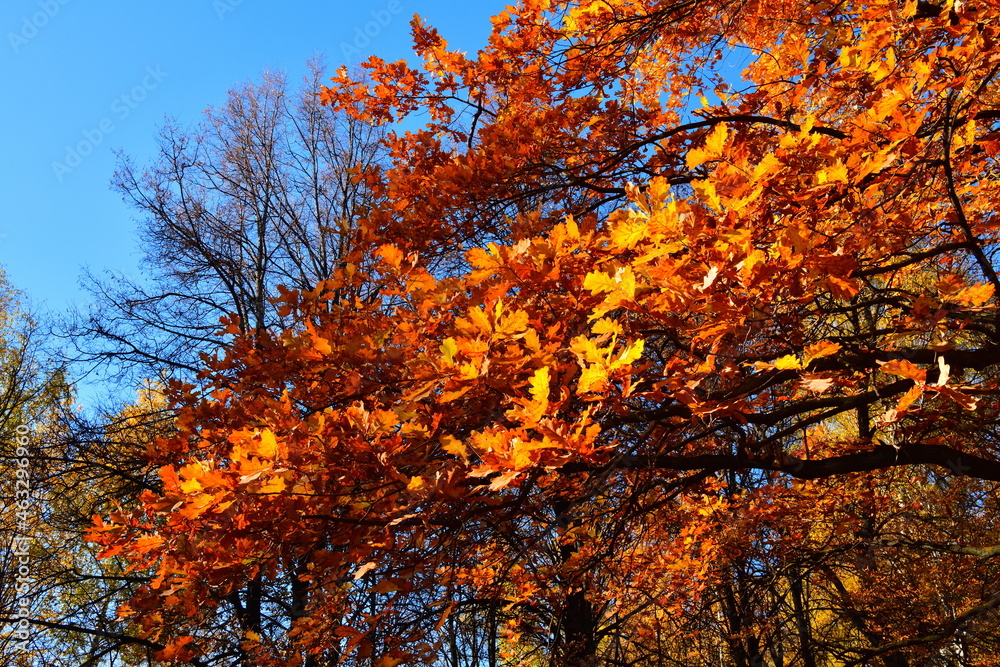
(654, 365)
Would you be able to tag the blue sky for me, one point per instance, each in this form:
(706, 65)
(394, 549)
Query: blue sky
(83, 79)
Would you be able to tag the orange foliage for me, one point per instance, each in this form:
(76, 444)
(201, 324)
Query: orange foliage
(581, 358)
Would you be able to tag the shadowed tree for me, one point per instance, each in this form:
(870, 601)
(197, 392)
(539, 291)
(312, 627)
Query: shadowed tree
(262, 192)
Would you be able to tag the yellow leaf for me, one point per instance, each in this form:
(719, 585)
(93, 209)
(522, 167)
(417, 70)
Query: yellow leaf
(838, 172)
(805, 128)
(513, 324)
(275, 484)
(713, 147)
(717, 139)
(480, 320)
(764, 168)
(696, 157)
(627, 234)
(626, 281)
(631, 353)
(540, 385)
(705, 189)
(531, 410)
(454, 446)
(449, 348)
(520, 454)
(605, 326)
(481, 259)
(190, 486)
(598, 282)
(268, 447)
(787, 363)
(572, 229)
(593, 378)
(586, 350)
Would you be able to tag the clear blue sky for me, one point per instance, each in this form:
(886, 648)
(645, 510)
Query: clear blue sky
(103, 75)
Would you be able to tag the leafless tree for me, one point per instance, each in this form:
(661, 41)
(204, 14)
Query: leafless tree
(259, 194)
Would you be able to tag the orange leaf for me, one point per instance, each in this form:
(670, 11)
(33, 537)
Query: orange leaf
(824, 348)
(364, 569)
(975, 296)
(392, 255)
(909, 397)
(904, 369)
(454, 446)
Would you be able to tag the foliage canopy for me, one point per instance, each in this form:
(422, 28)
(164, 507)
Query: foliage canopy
(636, 364)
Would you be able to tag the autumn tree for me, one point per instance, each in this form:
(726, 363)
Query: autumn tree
(35, 398)
(57, 601)
(660, 366)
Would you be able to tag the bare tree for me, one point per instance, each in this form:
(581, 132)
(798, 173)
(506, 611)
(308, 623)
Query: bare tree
(260, 194)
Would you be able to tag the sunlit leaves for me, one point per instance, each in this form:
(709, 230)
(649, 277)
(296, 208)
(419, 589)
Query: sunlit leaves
(905, 369)
(713, 148)
(582, 291)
